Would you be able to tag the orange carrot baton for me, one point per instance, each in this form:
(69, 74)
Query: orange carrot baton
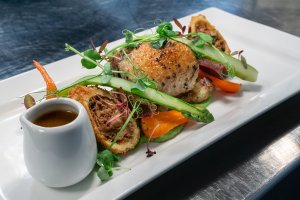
(50, 85)
(224, 85)
(158, 125)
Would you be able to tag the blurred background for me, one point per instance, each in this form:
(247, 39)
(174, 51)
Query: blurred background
(39, 29)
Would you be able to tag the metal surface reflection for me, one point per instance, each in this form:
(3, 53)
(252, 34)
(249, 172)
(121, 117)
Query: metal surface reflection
(282, 151)
(243, 181)
(244, 165)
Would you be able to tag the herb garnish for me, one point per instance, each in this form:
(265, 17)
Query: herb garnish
(142, 81)
(241, 57)
(149, 152)
(164, 31)
(102, 47)
(179, 25)
(91, 59)
(244, 62)
(159, 43)
(92, 54)
(106, 160)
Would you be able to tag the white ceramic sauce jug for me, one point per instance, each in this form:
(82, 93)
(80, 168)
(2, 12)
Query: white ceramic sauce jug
(58, 156)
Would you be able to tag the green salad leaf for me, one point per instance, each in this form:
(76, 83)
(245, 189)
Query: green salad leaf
(92, 54)
(107, 161)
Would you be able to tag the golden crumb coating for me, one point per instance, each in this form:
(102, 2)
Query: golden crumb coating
(173, 67)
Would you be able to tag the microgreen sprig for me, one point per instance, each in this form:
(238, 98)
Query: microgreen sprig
(92, 59)
(132, 40)
(229, 68)
(89, 60)
(135, 108)
(241, 57)
(142, 80)
(106, 160)
(89, 57)
(179, 25)
(198, 46)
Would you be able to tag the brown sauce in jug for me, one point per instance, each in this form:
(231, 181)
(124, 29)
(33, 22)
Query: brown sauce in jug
(55, 118)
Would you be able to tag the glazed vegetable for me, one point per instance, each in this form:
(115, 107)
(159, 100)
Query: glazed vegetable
(50, 85)
(160, 98)
(248, 73)
(204, 103)
(224, 85)
(169, 135)
(159, 124)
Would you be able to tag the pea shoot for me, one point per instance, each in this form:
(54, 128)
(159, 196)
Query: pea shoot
(106, 160)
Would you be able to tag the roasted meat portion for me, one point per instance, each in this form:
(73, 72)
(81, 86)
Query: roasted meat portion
(173, 67)
(107, 117)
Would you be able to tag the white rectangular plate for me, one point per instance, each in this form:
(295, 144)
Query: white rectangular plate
(274, 53)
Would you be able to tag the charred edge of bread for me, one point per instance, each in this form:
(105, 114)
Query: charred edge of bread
(125, 143)
(199, 23)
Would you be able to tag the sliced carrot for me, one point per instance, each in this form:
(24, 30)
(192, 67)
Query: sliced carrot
(157, 125)
(222, 84)
(50, 85)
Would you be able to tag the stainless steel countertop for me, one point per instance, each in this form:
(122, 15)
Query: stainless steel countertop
(246, 164)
